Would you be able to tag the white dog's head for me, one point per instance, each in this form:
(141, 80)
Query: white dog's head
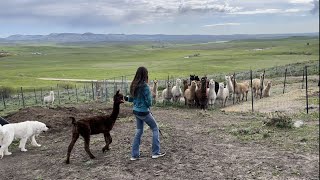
(40, 127)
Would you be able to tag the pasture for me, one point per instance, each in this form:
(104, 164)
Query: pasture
(221, 143)
(28, 62)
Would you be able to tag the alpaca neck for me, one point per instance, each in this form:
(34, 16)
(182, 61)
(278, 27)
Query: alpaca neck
(115, 111)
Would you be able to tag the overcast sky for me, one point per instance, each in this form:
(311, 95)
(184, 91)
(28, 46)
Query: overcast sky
(158, 16)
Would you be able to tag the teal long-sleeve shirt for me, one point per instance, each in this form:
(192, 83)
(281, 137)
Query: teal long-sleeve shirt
(143, 101)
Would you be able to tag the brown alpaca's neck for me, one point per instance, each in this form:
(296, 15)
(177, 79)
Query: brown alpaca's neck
(115, 111)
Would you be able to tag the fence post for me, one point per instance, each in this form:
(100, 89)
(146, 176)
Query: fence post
(22, 98)
(19, 97)
(41, 99)
(106, 84)
(122, 84)
(4, 101)
(77, 93)
(262, 83)
(126, 85)
(302, 79)
(68, 92)
(234, 84)
(35, 95)
(306, 71)
(58, 94)
(114, 86)
(92, 90)
(285, 78)
(251, 90)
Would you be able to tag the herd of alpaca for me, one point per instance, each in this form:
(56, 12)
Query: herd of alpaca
(204, 93)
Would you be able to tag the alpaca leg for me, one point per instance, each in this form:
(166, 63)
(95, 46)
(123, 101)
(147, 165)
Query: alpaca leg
(75, 137)
(108, 139)
(22, 144)
(86, 145)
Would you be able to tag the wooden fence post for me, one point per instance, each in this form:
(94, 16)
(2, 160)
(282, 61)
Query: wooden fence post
(302, 79)
(92, 90)
(58, 94)
(234, 84)
(35, 95)
(306, 71)
(41, 98)
(262, 83)
(77, 93)
(251, 91)
(285, 78)
(22, 98)
(4, 101)
(68, 93)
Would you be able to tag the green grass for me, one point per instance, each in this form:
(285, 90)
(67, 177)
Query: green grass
(105, 61)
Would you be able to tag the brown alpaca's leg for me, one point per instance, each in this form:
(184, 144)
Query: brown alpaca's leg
(108, 139)
(86, 145)
(75, 137)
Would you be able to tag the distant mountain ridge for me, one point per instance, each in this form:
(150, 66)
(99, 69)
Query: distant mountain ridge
(91, 37)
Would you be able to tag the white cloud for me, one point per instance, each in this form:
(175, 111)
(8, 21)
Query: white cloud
(222, 24)
(300, 1)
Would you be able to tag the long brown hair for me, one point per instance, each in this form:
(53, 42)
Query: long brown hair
(139, 80)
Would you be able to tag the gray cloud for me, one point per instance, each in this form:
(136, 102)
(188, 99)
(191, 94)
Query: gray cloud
(315, 9)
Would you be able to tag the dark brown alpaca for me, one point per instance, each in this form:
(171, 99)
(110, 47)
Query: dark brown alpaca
(95, 125)
(202, 94)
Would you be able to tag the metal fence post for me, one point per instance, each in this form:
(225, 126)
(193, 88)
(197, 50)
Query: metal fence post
(285, 78)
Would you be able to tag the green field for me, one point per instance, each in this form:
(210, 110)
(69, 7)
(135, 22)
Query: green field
(108, 60)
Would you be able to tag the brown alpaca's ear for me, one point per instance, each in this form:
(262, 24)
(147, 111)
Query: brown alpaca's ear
(118, 92)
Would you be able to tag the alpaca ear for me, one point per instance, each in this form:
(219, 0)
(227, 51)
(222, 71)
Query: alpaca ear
(118, 92)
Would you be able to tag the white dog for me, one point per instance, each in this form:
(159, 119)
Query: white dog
(23, 131)
(49, 99)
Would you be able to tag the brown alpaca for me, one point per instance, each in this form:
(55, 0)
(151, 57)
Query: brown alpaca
(202, 94)
(95, 125)
(189, 93)
(154, 91)
(185, 87)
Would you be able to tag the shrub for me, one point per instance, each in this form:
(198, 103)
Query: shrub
(6, 91)
(279, 119)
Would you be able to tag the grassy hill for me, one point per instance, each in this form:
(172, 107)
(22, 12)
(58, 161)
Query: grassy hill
(108, 60)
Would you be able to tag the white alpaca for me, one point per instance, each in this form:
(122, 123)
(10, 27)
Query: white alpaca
(176, 91)
(166, 93)
(223, 94)
(229, 83)
(49, 99)
(211, 93)
(23, 131)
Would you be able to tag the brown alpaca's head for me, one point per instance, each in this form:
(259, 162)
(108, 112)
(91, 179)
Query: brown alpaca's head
(118, 98)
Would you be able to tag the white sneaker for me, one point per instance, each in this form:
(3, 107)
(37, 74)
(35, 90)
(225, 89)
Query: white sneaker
(134, 158)
(158, 155)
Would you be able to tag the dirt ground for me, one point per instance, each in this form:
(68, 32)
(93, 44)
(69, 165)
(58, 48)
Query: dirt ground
(198, 146)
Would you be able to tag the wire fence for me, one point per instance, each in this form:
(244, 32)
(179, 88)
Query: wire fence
(103, 90)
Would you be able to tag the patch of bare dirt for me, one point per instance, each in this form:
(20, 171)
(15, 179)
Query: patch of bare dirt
(198, 145)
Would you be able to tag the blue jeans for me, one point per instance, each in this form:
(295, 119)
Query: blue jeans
(151, 122)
